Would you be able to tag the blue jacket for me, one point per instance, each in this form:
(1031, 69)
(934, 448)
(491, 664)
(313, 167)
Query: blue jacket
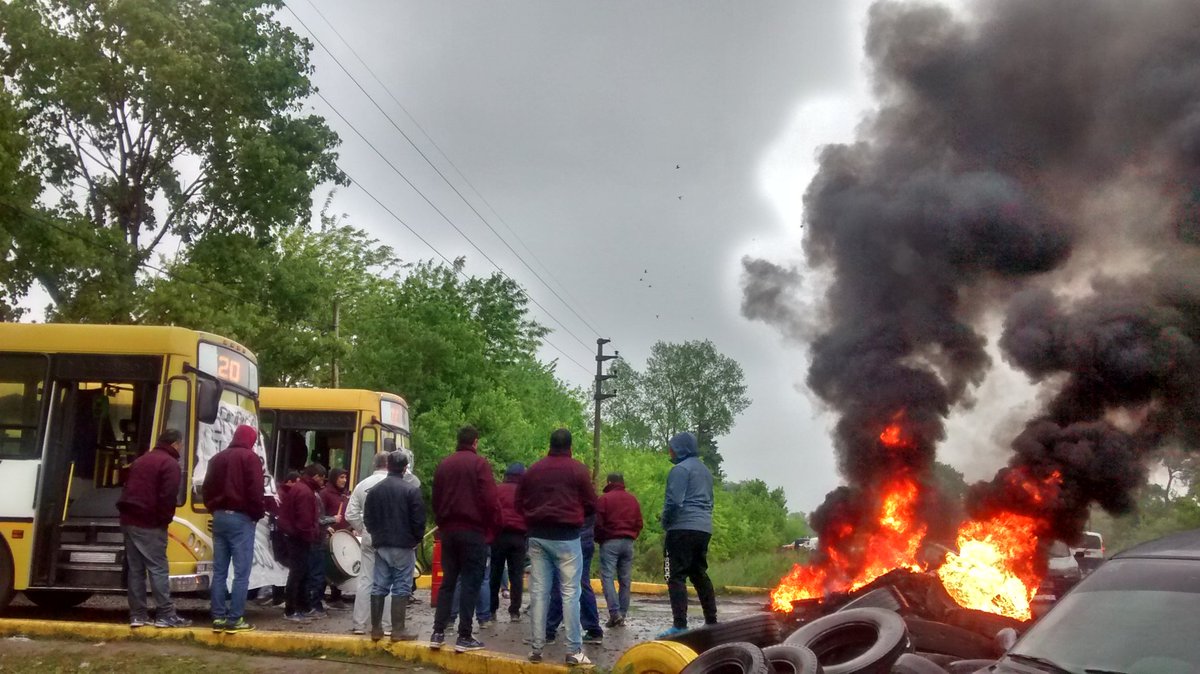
(689, 502)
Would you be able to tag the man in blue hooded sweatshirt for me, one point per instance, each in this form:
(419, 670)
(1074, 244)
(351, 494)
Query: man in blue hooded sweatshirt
(687, 519)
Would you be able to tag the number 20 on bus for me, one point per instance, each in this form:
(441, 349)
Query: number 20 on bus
(229, 369)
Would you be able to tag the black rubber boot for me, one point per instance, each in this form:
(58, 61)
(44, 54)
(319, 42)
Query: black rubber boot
(377, 618)
(399, 615)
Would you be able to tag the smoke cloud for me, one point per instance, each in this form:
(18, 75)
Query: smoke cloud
(1036, 159)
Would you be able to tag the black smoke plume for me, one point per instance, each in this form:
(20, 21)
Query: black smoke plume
(1018, 146)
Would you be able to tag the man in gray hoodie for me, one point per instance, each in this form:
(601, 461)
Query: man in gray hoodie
(687, 519)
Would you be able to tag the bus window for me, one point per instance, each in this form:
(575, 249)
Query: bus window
(176, 417)
(22, 385)
(307, 436)
(366, 453)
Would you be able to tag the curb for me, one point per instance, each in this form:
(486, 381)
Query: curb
(286, 643)
(658, 588)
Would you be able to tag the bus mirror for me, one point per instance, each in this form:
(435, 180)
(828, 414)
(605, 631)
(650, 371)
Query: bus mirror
(208, 399)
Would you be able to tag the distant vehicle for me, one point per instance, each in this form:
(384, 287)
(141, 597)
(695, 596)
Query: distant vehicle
(1091, 545)
(1062, 574)
(1138, 612)
(804, 543)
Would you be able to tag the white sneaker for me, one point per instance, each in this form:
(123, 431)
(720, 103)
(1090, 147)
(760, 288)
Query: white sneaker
(578, 660)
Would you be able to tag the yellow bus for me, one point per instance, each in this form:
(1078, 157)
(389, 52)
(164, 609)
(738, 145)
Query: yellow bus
(77, 404)
(337, 428)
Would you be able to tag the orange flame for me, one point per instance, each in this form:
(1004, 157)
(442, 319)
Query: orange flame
(993, 570)
(892, 435)
(891, 544)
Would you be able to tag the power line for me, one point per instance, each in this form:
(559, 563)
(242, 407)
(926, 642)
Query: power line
(449, 161)
(441, 255)
(218, 289)
(443, 177)
(450, 222)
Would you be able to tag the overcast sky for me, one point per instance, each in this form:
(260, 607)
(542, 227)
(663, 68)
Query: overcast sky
(570, 119)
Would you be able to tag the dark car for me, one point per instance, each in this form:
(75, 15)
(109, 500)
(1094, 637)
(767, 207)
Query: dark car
(1137, 613)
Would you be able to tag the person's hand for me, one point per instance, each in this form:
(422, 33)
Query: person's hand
(330, 530)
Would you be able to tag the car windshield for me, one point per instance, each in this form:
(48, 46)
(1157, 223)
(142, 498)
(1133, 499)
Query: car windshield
(1059, 549)
(1091, 541)
(1132, 615)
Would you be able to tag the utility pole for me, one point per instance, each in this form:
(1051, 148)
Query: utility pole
(337, 379)
(599, 397)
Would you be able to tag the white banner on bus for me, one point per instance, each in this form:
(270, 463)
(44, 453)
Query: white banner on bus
(266, 570)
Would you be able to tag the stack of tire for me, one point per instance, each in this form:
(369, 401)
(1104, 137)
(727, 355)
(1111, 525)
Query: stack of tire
(853, 641)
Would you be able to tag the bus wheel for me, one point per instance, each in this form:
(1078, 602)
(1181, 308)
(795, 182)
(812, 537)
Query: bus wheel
(6, 576)
(57, 600)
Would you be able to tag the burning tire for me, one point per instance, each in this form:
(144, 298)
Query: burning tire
(936, 637)
(785, 659)
(760, 629)
(736, 658)
(910, 663)
(858, 641)
(982, 622)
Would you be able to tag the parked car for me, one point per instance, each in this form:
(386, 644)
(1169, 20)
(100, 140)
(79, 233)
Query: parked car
(1138, 612)
(1062, 575)
(1089, 551)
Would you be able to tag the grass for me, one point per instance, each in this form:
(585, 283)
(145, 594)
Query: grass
(753, 569)
(760, 569)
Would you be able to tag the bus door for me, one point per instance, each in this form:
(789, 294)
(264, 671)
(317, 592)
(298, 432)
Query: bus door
(101, 418)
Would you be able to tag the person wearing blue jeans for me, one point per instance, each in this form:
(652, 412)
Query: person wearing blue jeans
(616, 568)
(555, 496)
(394, 513)
(589, 614)
(618, 524)
(554, 562)
(234, 494)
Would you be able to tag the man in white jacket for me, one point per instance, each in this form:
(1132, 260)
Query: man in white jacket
(361, 614)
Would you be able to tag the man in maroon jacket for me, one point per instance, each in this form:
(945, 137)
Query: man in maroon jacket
(618, 524)
(299, 515)
(235, 494)
(466, 510)
(147, 506)
(509, 546)
(555, 496)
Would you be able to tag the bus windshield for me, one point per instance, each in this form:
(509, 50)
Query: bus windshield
(235, 410)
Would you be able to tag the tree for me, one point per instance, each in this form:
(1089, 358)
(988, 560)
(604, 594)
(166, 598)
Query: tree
(156, 118)
(1182, 468)
(18, 189)
(685, 387)
(277, 296)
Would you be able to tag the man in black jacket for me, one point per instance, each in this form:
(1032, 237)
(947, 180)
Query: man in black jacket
(394, 513)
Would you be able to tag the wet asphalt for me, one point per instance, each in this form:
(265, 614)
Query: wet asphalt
(648, 615)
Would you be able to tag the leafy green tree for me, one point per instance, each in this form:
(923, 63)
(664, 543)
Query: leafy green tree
(157, 118)
(950, 481)
(18, 189)
(462, 350)
(685, 387)
(277, 296)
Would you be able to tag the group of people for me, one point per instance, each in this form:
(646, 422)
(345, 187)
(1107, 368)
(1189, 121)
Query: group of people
(549, 513)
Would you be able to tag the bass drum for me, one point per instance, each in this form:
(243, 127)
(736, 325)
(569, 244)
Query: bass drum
(344, 560)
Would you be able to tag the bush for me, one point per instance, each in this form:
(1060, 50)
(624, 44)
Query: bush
(750, 522)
